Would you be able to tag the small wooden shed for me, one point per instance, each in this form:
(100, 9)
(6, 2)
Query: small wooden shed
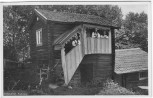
(131, 67)
(68, 42)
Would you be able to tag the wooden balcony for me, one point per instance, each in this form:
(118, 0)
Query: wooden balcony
(89, 45)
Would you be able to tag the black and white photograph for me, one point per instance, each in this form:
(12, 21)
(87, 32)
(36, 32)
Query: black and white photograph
(76, 48)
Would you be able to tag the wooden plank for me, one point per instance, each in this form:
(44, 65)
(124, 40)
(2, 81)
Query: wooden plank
(100, 50)
(91, 44)
(64, 66)
(91, 52)
(94, 45)
(80, 53)
(77, 57)
(85, 41)
(103, 45)
(110, 44)
(107, 45)
(68, 65)
(98, 45)
(82, 40)
(93, 26)
(88, 45)
(74, 56)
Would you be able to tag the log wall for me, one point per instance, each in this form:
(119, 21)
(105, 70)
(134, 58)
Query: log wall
(131, 80)
(39, 53)
(102, 65)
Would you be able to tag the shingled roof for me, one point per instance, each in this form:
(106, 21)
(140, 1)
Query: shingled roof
(72, 17)
(130, 60)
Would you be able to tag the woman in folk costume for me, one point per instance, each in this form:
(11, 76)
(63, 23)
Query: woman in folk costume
(93, 34)
(105, 36)
(76, 41)
(97, 35)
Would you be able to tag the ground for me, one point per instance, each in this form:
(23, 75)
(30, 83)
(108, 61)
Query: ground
(108, 88)
(13, 87)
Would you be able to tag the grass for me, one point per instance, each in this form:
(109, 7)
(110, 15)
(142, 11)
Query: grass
(77, 91)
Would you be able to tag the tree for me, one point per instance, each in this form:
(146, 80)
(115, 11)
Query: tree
(14, 25)
(136, 30)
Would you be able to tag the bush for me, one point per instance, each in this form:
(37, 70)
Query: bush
(20, 79)
(111, 88)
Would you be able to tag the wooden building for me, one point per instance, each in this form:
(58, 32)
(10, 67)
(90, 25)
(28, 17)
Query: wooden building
(131, 68)
(68, 42)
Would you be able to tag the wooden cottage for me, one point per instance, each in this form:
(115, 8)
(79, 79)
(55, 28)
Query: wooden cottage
(68, 42)
(131, 68)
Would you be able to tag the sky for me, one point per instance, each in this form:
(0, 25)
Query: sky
(133, 8)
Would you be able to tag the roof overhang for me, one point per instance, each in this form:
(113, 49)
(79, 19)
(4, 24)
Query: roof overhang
(41, 15)
(126, 72)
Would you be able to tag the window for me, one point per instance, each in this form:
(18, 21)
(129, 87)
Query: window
(39, 37)
(143, 75)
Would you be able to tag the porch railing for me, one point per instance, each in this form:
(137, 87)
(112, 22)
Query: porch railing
(97, 45)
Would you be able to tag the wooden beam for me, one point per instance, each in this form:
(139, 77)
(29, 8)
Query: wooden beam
(110, 41)
(57, 47)
(93, 26)
(41, 15)
(113, 51)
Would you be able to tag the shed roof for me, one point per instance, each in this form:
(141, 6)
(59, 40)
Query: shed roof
(72, 17)
(130, 60)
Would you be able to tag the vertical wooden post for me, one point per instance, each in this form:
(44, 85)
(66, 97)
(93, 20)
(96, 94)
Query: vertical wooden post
(113, 51)
(82, 40)
(110, 38)
(85, 40)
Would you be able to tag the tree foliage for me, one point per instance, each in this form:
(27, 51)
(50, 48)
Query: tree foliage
(14, 30)
(135, 31)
